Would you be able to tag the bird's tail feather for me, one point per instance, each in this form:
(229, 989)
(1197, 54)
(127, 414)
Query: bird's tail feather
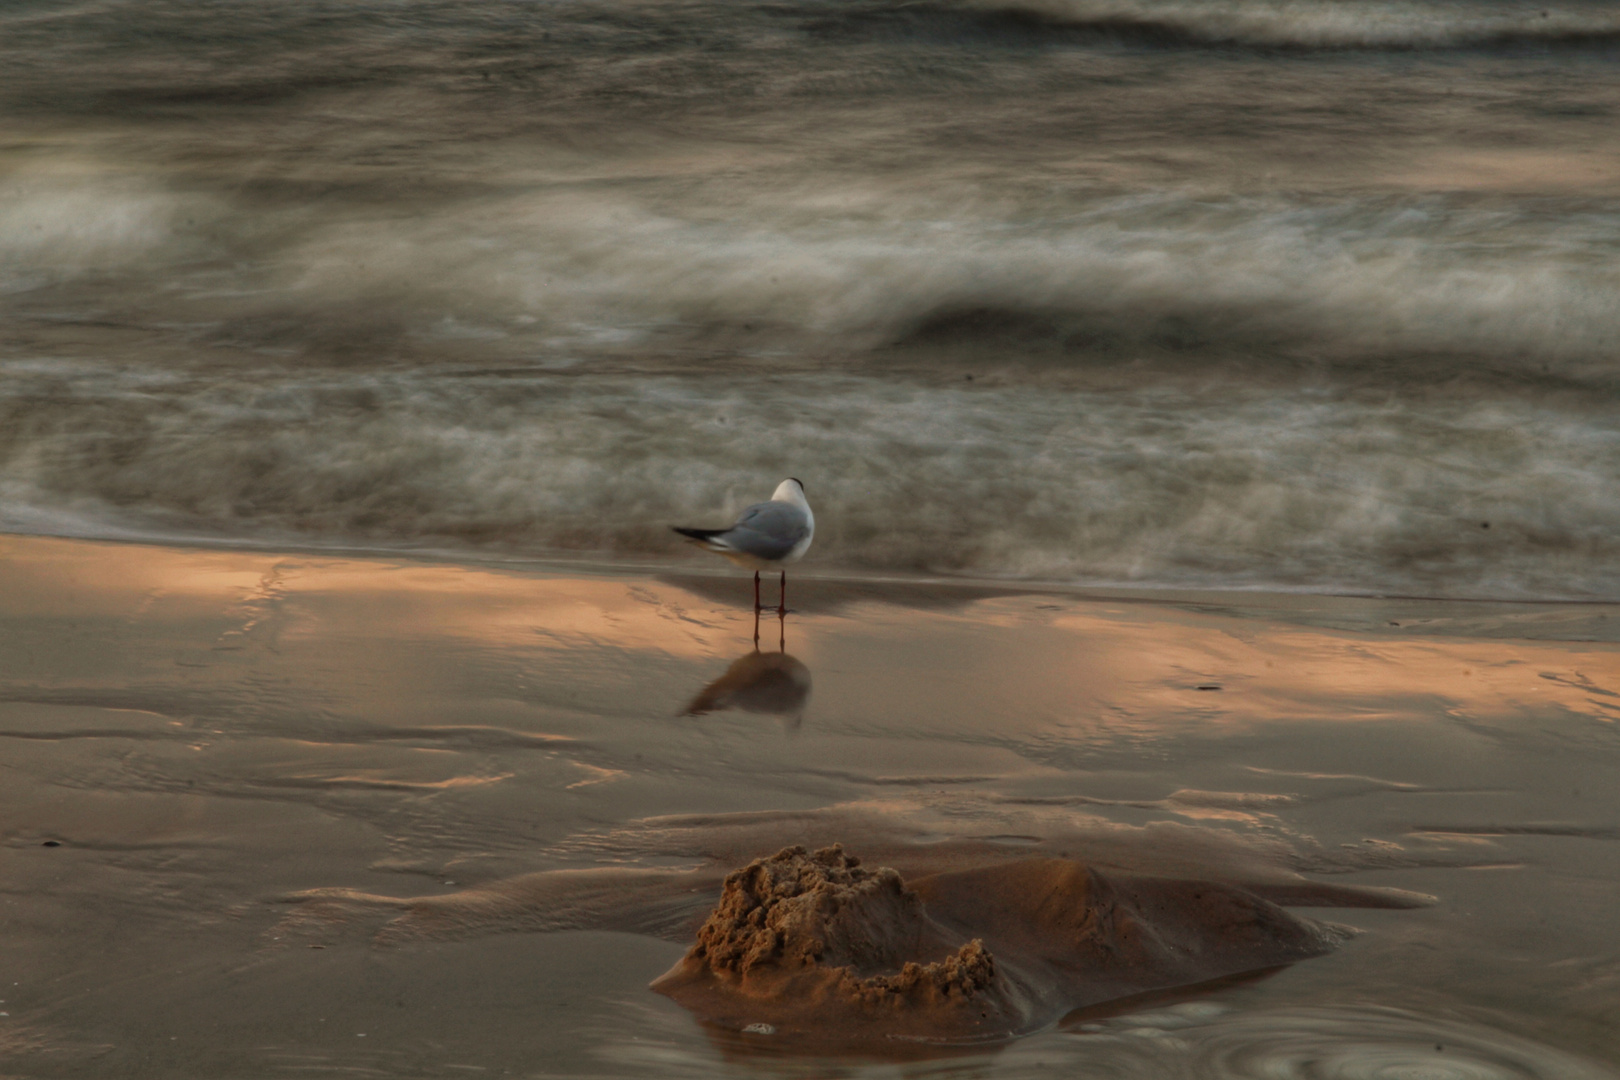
(702, 536)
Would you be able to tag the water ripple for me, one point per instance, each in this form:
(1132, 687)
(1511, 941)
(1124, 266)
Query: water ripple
(1326, 1043)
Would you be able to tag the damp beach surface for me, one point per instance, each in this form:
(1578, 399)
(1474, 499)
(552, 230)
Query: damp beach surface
(278, 812)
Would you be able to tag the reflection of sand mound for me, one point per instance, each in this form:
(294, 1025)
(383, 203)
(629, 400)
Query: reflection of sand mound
(820, 948)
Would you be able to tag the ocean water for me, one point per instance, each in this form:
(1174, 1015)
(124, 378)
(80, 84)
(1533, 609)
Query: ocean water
(1285, 294)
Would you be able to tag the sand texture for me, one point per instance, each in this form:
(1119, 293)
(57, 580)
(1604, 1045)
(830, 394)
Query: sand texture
(817, 948)
(281, 813)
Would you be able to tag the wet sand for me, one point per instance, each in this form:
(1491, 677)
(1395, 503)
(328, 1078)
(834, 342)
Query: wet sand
(281, 813)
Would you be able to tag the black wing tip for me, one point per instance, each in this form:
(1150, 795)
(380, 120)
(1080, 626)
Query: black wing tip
(696, 534)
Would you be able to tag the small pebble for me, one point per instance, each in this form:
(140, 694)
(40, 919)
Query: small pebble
(759, 1029)
(52, 843)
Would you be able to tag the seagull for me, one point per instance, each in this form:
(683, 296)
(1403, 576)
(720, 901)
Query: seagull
(767, 536)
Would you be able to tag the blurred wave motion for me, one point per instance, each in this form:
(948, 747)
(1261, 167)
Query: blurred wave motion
(1315, 294)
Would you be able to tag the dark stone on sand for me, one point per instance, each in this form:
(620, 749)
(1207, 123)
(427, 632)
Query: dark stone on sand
(827, 951)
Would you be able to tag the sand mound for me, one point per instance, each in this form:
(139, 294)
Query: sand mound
(825, 913)
(819, 948)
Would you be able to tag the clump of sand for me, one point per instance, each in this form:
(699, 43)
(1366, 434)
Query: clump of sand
(817, 947)
(825, 913)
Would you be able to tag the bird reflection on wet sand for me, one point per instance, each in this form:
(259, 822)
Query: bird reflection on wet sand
(759, 682)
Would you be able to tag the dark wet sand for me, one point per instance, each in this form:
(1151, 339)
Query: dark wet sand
(294, 814)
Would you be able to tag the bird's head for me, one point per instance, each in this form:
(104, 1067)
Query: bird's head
(790, 491)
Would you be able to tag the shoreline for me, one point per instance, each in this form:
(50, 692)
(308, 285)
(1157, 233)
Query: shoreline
(1256, 600)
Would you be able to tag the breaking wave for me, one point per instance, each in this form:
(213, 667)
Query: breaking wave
(1313, 489)
(1026, 303)
(1438, 284)
(1323, 24)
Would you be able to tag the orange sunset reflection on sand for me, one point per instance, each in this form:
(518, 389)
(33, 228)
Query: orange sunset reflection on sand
(1031, 652)
(1302, 674)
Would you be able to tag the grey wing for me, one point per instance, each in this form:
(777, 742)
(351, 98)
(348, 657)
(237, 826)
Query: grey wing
(768, 530)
